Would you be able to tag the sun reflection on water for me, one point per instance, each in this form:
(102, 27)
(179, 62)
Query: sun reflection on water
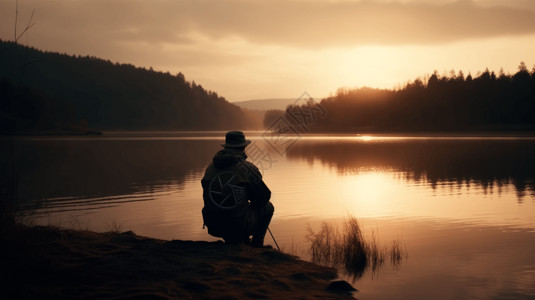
(461, 205)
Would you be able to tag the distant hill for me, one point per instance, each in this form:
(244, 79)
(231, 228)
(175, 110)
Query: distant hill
(45, 90)
(266, 104)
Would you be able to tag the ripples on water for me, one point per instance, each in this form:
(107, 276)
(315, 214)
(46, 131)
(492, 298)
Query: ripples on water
(464, 207)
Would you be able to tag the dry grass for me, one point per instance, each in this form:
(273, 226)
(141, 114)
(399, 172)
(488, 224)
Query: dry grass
(114, 227)
(350, 251)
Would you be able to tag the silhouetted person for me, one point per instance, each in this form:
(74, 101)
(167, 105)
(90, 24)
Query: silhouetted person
(236, 199)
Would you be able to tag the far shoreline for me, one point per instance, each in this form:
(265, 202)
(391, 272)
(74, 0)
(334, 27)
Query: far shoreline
(357, 133)
(53, 133)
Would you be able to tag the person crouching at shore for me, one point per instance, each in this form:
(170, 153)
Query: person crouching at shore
(236, 199)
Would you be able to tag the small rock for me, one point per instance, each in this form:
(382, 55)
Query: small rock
(340, 286)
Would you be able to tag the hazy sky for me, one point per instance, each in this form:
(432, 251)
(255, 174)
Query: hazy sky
(249, 49)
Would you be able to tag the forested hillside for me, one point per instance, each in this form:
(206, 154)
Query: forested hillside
(43, 90)
(453, 102)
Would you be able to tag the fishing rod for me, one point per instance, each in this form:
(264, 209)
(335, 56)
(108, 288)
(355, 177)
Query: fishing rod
(274, 239)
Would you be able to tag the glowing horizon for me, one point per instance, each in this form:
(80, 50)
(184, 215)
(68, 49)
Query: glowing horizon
(254, 50)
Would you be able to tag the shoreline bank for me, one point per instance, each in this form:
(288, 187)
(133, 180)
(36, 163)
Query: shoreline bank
(53, 263)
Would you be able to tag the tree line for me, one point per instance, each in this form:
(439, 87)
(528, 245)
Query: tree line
(46, 90)
(452, 102)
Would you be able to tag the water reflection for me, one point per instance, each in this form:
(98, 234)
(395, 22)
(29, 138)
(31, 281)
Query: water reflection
(105, 170)
(429, 193)
(490, 163)
(455, 260)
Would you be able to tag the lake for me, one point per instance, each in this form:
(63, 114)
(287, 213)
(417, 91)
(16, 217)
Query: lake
(463, 208)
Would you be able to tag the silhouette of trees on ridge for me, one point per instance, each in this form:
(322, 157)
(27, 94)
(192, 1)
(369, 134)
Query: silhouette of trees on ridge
(453, 102)
(108, 95)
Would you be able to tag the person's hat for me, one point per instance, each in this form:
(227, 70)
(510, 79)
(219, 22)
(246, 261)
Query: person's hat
(235, 139)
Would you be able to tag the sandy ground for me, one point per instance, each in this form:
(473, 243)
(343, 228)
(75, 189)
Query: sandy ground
(49, 263)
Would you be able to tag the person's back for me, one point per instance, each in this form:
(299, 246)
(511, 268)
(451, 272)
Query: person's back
(236, 200)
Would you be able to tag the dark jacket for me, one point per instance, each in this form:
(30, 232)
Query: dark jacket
(232, 187)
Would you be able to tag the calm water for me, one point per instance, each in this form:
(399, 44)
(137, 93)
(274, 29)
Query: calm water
(464, 208)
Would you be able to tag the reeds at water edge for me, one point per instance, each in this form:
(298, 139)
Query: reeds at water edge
(349, 250)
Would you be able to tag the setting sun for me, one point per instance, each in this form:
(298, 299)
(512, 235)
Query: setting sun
(287, 46)
(366, 138)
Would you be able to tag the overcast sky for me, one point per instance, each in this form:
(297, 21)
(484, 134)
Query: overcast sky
(248, 49)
